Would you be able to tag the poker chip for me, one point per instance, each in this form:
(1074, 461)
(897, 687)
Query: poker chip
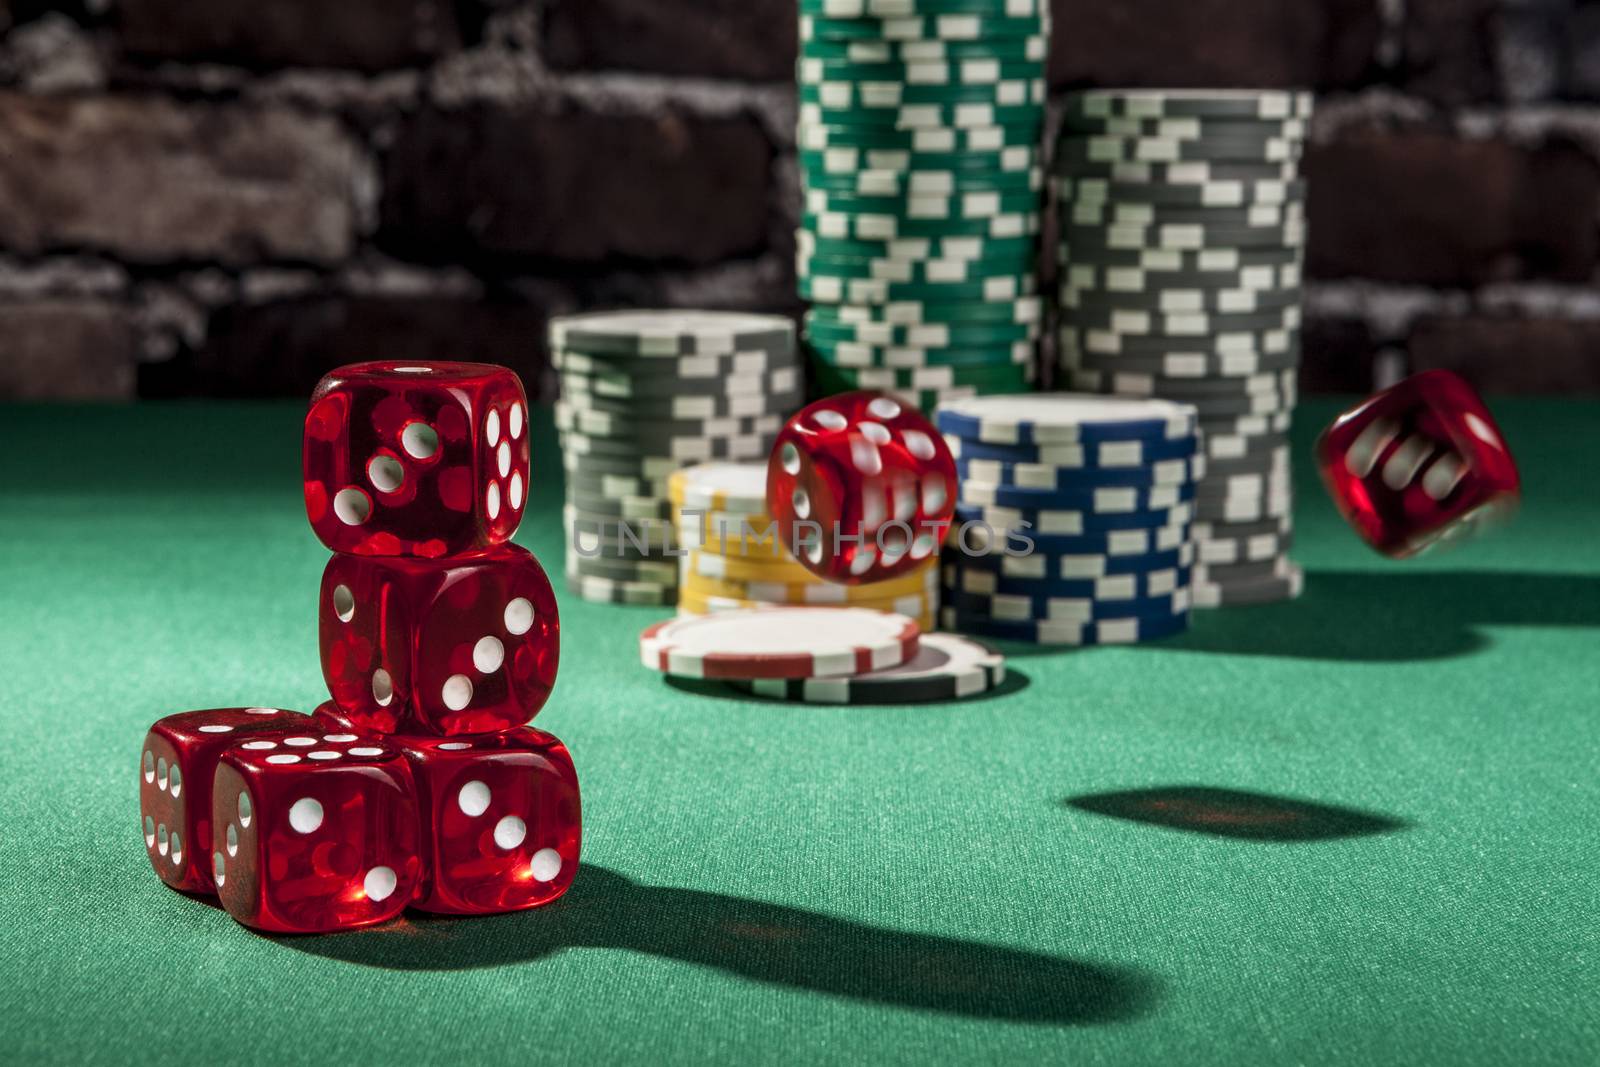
(1032, 48)
(615, 591)
(779, 642)
(1073, 517)
(1048, 477)
(1053, 607)
(922, 184)
(1180, 256)
(1063, 418)
(1134, 585)
(735, 487)
(1086, 558)
(671, 333)
(946, 667)
(1098, 104)
(1131, 454)
(643, 393)
(734, 555)
(1260, 590)
(1156, 500)
(1112, 631)
(1042, 522)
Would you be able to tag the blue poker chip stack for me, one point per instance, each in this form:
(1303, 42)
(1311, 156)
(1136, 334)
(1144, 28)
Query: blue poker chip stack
(1073, 524)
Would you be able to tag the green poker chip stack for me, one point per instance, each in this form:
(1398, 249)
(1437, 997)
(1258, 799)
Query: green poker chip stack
(922, 179)
(1179, 252)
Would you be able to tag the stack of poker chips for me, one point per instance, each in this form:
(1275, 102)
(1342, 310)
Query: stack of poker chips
(920, 166)
(1073, 526)
(735, 554)
(1182, 234)
(642, 394)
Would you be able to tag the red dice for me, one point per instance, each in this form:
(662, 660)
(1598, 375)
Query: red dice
(862, 486)
(463, 646)
(175, 770)
(313, 833)
(500, 815)
(1419, 464)
(419, 784)
(421, 460)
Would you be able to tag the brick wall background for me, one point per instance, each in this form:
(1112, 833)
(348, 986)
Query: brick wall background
(226, 197)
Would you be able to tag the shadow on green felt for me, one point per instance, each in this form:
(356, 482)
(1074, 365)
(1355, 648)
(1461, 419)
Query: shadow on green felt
(1236, 813)
(1381, 616)
(1015, 682)
(763, 942)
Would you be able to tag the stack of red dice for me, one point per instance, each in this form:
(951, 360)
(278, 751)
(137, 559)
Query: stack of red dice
(420, 783)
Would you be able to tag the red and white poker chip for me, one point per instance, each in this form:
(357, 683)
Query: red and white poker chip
(784, 642)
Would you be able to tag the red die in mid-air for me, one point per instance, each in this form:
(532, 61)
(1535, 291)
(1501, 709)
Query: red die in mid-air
(314, 833)
(861, 465)
(175, 770)
(1418, 464)
(460, 646)
(416, 459)
(501, 820)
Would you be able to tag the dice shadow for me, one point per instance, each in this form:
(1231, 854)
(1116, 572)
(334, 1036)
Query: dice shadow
(1015, 682)
(769, 943)
(1381, 616)
(1235, 813)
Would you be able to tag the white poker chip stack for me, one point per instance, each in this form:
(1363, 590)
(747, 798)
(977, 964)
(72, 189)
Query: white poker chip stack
(1182, 231)
(644, 393)
(920, 158)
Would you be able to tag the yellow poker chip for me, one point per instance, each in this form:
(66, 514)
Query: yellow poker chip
(927, 622)
(770, 565)
(735, 488)
(915, 606)
(815, 591)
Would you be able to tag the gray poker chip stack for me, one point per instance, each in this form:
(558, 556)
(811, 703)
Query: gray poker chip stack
(1182, 233)
(920, 155)
(642, 394)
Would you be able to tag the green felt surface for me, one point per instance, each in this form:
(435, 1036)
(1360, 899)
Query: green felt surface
(1413, 877)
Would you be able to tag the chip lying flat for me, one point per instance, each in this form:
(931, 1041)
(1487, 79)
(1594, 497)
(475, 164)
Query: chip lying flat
(779, 643)
(946, 667)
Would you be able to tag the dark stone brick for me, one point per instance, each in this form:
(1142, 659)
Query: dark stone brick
(752, 40)
(66, 350)
(155, 182)
(1511, 355)
(1336, 356)
(577, 187)
(367, 35)
(1214, 43)
(1429, 208)
(282, 348)
(1581, 37)
(1448, 49)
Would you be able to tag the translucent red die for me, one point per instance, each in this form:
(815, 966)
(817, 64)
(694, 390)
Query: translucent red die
(314, 832)
(457, 646)
(500, 816)
(862, 486)
(1418, 464)
(416, 459)
(176, 766)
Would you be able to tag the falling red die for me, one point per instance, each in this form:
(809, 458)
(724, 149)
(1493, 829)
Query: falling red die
(862, 487)
(1418, 465)
(416, 459)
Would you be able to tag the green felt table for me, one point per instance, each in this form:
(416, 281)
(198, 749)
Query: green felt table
(1361, 827)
